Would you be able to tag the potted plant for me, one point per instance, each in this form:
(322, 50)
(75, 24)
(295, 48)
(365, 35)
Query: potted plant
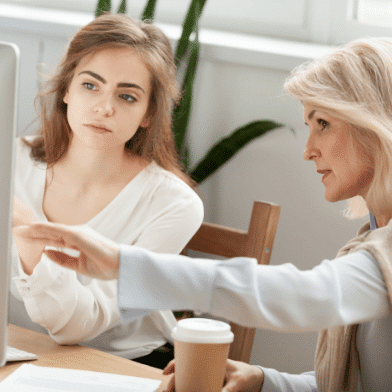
(186, 58)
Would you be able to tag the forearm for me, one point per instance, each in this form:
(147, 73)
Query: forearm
(275, 381)
(254, 295)
(150, 281)
(71, 312)
(29, 254)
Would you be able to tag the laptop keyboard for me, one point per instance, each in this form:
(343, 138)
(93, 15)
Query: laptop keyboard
(14, 354)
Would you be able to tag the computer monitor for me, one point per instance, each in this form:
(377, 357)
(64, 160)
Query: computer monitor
(9, 77)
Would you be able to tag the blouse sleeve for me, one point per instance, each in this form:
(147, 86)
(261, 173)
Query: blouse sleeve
(346, 290)
(275, 381)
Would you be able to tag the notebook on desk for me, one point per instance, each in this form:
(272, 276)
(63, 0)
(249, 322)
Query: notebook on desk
(9, 78)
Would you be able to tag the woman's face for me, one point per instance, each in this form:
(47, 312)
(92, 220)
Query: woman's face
(108, 98)
(343, 164)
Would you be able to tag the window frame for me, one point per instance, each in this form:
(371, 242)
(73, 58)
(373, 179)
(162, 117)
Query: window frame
(325, 22)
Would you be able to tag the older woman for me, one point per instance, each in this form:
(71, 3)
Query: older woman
(347, 98)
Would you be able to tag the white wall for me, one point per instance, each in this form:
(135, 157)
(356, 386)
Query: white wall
(235, 87)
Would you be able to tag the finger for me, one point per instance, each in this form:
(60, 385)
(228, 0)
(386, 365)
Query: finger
(50, 235)
(36, 233)
(230, 387)
(63, 259)
(169, 369)
(170, 385)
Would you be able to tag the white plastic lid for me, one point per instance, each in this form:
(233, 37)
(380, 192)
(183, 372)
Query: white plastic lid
(200, 330)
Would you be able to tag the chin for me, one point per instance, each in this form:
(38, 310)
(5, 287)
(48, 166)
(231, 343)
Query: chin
(333, 197)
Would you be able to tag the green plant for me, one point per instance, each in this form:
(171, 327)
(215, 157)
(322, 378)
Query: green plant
(186, 57)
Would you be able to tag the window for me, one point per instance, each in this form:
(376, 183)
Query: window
(248, 16)
(374, 12)
(319, 21)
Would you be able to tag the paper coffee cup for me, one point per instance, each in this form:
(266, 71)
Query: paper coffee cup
(201, 347)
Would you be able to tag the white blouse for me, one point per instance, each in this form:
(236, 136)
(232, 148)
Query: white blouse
(156, 211)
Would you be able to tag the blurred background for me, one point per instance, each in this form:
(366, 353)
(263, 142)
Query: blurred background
(247, 50)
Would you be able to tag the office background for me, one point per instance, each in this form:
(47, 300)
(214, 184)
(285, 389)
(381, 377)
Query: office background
(240, 79)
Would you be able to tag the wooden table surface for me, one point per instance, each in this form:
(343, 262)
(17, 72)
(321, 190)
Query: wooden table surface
(73, 357)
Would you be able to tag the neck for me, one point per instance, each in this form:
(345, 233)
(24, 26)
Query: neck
(382, 216)
(382, 220)
(90, 167)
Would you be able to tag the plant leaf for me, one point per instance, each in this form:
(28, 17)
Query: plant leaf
(183, 110)
(149, 10)
(122, 9)
(102, 7)
(191, 20)
(227, 147)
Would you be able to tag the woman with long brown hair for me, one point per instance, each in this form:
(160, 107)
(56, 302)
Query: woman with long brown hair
(104, 156)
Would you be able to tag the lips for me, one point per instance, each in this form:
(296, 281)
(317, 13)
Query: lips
(99, 128)
(325, 173)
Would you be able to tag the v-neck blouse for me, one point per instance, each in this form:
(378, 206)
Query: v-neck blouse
(155, 210)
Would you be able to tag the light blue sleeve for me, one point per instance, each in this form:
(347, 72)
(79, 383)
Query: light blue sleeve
(275, 381)
(281, 297)
(151, 281)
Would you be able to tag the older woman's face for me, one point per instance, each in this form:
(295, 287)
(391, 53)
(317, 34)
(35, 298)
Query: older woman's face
(344, 166)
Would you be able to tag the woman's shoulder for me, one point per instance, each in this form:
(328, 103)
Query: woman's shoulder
(168, 188)
(22, 144)
(168, 180)
(22, 148)
(23, 158)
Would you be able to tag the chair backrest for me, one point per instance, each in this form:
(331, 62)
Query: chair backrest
(228, 242)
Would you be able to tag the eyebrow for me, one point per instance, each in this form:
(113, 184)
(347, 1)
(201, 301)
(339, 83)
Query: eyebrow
(311, 114)
(104, 81)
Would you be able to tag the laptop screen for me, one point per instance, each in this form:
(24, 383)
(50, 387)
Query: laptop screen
(9, 76)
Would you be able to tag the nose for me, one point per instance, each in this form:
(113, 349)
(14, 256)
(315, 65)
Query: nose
(104, 107)
(311, 151)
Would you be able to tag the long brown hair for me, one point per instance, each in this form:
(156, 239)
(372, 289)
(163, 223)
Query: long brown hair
(155, 142)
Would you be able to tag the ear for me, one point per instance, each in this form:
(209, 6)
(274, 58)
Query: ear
(66, 96)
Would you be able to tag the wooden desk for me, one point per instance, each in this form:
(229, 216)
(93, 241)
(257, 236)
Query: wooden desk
(73, 357)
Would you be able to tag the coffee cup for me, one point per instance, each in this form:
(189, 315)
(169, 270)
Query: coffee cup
(201, 348)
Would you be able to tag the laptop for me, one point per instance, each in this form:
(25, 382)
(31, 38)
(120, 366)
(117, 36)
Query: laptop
(9, 78)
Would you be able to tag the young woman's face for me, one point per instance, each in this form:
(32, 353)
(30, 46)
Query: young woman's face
(344, 166)
(108, 98)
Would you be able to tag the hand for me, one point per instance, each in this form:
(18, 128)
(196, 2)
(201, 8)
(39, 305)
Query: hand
(169, 369)
(29, 253)
(239, 377)
(99, 257)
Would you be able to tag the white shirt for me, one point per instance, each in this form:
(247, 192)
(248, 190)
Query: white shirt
(156, 211)
(348, 290)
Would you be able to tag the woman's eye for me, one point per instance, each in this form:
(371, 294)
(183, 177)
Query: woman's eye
(89, 86)
(128, 98)
(323, 124)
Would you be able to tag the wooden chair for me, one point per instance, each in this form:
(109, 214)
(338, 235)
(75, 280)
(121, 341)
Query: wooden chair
(228, 242)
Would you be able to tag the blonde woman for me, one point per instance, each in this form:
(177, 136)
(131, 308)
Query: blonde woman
(347, 98)
(104, 156)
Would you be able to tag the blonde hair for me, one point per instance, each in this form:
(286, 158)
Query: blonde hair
(156, 141)
(354, 84)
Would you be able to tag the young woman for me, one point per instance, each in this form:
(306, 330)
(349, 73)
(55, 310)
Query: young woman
(104, 156)
(347, 98)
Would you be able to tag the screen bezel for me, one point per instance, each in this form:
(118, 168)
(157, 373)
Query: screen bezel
(9, 83)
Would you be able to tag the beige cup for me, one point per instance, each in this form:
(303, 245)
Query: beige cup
(201, 347)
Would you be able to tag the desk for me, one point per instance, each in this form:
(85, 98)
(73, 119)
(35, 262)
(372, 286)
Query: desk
(73, 357)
